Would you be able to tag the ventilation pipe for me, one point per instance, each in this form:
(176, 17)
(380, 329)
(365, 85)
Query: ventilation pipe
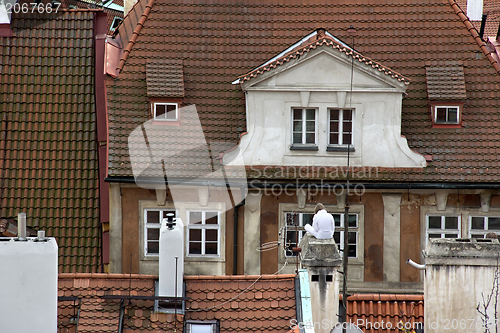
(21, 226)
(483, 25)
(415, 265)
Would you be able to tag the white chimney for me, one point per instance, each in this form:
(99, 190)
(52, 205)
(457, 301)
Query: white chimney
(475, 10)
(171, 259)
(28, 276)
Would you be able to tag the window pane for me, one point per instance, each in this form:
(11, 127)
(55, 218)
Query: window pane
(334, 127)
(153, 247)
(200, 328)
(451, 222)
(452, 115)
(334, 115)
(434, 235)
(160, 110)
(310, 126)
(478, 223)
(290, 239)
(347, 127)
(334, 139)
(171, 113)
(297, 113)
(153, 234)
(194, 217)
(346, 139)
(435, 222)
(450, 236)
(211, 218)
(195, 235)
(440, 115)
(352, 221)
(211, 248)
(477, 236)
(291, 219)
(307, 219)
(352, 251)
(352, 237)
(153, 216)
(336, 219)
(297, 137)
(212, 235)
(494, 223)
(347, 115)
(336, 237)
(194, 247)
(311, 138)
(297, 126)
(310, 114)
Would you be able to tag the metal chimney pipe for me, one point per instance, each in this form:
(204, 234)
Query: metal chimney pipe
(415, 265)
(21, 226)
(483, 25)
(41, 235)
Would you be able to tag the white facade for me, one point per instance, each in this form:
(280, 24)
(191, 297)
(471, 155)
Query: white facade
(28, 296)
(321, 80)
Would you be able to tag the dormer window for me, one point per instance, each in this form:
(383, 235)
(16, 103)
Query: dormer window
(340, 128)
(165, 111)
(446, 114)
(304, 128)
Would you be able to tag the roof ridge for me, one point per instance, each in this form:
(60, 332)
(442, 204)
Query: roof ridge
(329, 41)
(135, 33)
(106, 276)
(472, 30)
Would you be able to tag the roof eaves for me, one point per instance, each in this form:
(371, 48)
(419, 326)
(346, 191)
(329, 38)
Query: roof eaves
(135, 34)
(470, 27)
(324, 41)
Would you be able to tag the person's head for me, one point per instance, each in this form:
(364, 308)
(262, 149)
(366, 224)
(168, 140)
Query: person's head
(318, 207)
(491, 235)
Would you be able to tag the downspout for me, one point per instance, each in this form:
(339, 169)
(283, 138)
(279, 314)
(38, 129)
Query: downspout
(100, 30)
(235, 240)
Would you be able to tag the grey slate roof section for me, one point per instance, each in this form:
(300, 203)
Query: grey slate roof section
(165, 78)
(446, 82)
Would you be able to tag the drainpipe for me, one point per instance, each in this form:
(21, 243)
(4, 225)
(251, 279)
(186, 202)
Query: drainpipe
(415, 265)
(235, 241)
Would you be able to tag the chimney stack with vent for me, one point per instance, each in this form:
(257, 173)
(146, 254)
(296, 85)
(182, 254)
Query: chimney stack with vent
(459, 277)
(171, 280)
(28, 276)
(322, 260)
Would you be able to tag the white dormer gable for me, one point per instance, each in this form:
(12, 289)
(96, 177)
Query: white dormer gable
(300, 110)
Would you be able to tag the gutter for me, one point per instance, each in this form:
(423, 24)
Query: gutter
(235, 238)
(296, 184)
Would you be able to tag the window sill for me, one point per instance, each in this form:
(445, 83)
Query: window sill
(443, 125)
(304, 147)
(340, 148)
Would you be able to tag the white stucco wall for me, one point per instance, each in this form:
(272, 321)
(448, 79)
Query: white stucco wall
(321, 79)
(28, 276)
(452, 294)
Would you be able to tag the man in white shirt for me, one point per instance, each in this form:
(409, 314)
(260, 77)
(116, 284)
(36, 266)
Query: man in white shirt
(323, 225)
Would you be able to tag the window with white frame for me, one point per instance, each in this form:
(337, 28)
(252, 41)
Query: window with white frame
(294, 231)
(116, 23)
(479, 226)
(340, 127)
(165, 111)
(446, 114)
(441, 226)
(199, 326)
(152, 219)
(304, 126)
(203, 233)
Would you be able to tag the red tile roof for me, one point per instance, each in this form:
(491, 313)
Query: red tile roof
(49, 165)
(385, 313)
(491, 8)
(404, 35)
(89, 4)
(241, 303)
